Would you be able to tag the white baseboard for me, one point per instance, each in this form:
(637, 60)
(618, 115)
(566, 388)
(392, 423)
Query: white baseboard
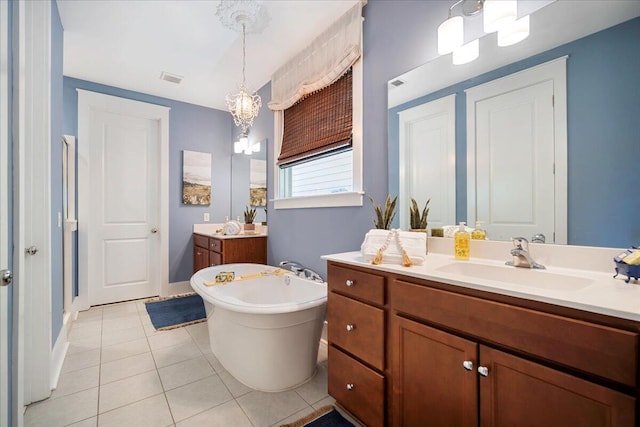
(59, 351)
(180, 288)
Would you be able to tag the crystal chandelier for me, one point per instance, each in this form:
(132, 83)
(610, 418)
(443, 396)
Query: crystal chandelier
(243, 15)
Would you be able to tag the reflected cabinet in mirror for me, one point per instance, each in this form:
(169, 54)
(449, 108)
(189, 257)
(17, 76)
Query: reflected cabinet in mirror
(542, 137)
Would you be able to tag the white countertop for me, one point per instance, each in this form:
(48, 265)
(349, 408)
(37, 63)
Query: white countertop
(210, 230)
(605, 295)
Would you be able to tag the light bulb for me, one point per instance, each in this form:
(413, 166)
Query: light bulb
(498, 14)
(450, 35)
(466, 53)
(514, 33)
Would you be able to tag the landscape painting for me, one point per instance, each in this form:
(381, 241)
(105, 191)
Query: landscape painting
(196, 178)
(258, 182)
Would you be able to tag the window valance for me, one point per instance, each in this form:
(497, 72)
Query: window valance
(328, 57)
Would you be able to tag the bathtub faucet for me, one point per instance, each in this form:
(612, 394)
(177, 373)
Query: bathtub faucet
(294, 267)
(310, 274)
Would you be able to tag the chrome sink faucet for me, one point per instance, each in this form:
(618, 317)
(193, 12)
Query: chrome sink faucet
(521, 255)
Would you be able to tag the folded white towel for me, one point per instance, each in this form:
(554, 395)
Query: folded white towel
(413, 243)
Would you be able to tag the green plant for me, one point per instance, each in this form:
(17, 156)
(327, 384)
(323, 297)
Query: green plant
(249, 215)
(384, 218)
(418, 220)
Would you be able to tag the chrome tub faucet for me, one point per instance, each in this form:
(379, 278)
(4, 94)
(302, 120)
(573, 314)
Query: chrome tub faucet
(521, 256)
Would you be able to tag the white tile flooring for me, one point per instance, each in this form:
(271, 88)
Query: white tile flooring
(120, 372)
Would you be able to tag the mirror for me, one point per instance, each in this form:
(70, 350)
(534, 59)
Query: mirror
(603, 107)
(249, 183)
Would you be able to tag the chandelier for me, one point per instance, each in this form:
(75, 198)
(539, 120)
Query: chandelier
(245, 16)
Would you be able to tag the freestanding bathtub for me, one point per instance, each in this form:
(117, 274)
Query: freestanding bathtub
(264, 326)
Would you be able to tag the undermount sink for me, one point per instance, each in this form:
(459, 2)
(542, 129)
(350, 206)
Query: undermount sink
(518, 276)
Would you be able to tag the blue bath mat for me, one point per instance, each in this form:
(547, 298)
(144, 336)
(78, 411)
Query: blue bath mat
(175, 312)
(327, 416)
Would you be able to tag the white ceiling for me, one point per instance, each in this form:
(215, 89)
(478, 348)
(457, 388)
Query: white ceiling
(129, 43)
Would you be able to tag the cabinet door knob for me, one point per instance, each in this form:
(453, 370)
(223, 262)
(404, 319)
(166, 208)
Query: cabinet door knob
(483, 370)
(468, 365)
(350, 327)
(349, 283)
(350, 386)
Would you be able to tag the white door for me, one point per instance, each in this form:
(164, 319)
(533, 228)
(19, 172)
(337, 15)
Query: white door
(516, 174)
(69, 215)
(123, 231)
(4, 216)
(427, 159)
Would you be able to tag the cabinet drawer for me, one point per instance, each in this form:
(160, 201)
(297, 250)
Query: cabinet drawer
(606, 352)
(201, 241)
(215, 258)
(357, 388)
(357, 328)
(365, 286)
(215, 245)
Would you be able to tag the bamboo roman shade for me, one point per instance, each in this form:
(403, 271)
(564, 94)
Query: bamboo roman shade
(318, 124)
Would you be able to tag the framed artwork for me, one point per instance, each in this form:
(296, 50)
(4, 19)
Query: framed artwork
(258, 182)
(196, 178)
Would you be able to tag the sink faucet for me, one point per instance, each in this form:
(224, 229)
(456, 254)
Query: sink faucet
(521, 255)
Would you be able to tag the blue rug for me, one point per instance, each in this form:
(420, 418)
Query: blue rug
(327, 416)
(175, 312)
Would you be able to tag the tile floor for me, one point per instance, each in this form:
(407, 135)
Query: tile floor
(120, 372)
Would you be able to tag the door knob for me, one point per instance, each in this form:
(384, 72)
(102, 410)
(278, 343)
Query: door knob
(349, 387)
(483, 370)
(31, 250)
(154, 230)
(349, 283)
(6, 277)
(350, 328)
(468, 365)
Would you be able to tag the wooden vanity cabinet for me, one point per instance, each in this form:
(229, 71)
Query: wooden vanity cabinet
(460, 357)
(211, 251)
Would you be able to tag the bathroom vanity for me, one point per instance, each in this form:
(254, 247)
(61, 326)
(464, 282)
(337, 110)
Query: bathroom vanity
(211, 250)
(434, 345)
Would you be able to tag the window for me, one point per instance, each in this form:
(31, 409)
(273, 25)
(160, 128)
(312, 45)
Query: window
(327, 178)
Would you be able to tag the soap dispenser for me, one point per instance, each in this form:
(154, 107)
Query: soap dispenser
(462, 239)
(478, 232)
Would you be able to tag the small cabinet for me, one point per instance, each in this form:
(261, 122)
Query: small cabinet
(211, 251)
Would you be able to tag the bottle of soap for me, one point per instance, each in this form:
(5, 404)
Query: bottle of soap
(479, 233)
(462, 239)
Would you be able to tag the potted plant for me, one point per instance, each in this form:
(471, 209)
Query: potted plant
(249, 216)
(384, 217)
(418, 219)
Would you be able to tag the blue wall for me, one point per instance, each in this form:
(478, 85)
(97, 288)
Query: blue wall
(603, 111)
(191, 127)
(57, 301)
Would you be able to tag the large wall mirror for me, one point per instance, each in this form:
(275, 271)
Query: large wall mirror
(434, 150)
(249, 182)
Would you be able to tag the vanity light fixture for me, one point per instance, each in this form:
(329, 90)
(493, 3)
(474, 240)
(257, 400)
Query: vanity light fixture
(242, 145)
(245, 16)
(498, 15)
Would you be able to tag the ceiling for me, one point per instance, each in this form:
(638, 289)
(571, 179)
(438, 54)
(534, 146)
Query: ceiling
(129, 43)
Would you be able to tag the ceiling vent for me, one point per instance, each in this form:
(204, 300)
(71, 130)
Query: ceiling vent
(173, 78)
(396, 83)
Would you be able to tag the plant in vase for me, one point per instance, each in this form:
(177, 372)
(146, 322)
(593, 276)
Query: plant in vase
(249, 216)
(384, 217)
(418, 219)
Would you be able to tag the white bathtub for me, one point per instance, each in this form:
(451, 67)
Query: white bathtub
(264, 330)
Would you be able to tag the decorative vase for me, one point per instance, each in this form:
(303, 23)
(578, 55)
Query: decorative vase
(422, 230)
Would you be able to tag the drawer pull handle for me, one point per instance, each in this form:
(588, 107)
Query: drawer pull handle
(468, 365)
(350, 328)
(483, 370)
(349, 283)
(350, 387)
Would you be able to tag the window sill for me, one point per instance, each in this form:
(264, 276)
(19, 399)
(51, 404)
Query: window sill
(322, 201)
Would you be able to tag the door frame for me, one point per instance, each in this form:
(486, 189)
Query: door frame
(70, 222)
(554, 70)
(87, 101)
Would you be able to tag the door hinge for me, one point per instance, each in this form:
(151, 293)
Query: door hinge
(553, 100)
(554, 168)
